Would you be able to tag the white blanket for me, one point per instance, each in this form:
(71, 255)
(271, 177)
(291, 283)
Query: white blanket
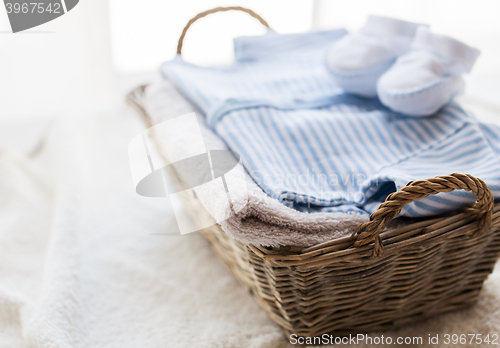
(83, 262)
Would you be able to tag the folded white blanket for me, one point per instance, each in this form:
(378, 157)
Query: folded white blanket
(261, 220)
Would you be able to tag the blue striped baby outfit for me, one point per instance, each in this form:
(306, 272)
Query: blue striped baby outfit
(315, 148)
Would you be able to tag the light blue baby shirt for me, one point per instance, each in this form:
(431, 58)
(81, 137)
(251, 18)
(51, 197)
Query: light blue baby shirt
(315, 148)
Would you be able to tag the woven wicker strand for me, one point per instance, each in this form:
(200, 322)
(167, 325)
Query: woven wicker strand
(414, 190)
(215, 10)
(428, 267)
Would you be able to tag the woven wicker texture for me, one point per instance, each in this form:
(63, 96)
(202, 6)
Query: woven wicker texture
(395, 202)
(375, 279)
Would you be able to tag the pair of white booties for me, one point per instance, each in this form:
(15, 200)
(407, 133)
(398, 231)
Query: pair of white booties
(410, 69)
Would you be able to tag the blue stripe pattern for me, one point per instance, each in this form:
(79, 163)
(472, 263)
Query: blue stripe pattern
(317, 149)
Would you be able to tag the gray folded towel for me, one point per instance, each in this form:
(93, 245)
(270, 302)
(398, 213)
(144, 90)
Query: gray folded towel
(260, 219)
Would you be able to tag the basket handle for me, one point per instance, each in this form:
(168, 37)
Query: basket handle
(214, 10)
(414, 190)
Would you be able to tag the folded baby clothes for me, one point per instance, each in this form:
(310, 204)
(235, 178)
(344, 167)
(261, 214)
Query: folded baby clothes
(315, 148)
(357, 60)
(428, 76)
(261, 220)
(260, 75)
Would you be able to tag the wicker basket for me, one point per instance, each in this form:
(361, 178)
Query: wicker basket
(375, 279)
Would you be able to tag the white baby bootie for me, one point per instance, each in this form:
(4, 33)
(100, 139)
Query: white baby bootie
(357, 60)
(428, 76)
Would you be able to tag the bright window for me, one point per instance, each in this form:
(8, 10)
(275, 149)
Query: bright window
(145, 33)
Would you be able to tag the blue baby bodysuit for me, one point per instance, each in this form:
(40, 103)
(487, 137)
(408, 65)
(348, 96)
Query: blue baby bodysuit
(315, 148)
